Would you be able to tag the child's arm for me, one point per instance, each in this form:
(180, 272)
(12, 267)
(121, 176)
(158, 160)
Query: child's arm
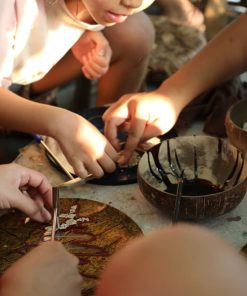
(86, 149)
(152, 114)
(93, 52)
(26, 190)
(46, 270)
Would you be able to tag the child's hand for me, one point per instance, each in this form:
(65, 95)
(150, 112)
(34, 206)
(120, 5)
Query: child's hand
(93, 51)
(142, 116)
(86, 149)
(46, 270)
(26, 190)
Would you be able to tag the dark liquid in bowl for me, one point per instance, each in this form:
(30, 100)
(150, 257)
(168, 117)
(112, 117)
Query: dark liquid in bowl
(196, 187)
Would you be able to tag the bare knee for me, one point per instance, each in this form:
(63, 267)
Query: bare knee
(140, 41)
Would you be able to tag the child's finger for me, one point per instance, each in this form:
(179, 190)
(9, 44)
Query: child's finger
(40, 203)
(94, 70)
(104, 53)
(86, 74)
(98, 58)
(87, 69)
(111, 130)
(79, 167)
(89, 74)
(135, 133)
(40, 183)
(96, 65)
(94, 59)
(29, 206)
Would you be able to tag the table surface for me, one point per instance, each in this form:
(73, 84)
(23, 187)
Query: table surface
(128, 198)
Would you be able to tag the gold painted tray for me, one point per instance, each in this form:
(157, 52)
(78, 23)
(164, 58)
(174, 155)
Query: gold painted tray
(93, 231)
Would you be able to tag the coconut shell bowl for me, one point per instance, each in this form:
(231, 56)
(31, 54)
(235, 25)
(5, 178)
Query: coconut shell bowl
(193, 177)
(236, 125)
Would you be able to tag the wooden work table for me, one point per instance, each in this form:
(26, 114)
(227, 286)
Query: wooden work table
(129, 199)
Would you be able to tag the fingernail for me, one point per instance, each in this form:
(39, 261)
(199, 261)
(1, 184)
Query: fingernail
(102, 52)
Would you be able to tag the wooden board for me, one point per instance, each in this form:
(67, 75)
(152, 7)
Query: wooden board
(99, 231)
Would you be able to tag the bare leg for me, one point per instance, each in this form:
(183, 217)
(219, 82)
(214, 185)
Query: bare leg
(131, 42)
(183, 11)
(181, 260)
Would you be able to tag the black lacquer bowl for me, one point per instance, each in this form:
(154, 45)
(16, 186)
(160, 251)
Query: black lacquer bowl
(213, 173)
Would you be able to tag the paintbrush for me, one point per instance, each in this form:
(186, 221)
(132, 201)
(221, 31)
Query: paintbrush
(40, 140)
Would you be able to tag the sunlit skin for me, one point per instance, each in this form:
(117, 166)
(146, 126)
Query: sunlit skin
(181, 260)
(14, 181)
(142, 116)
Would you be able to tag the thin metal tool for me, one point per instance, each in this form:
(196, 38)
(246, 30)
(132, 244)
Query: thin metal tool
(55, 221)
(40, 140)
(178, 200)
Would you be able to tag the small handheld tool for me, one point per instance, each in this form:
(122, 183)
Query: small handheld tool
(55, 221)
